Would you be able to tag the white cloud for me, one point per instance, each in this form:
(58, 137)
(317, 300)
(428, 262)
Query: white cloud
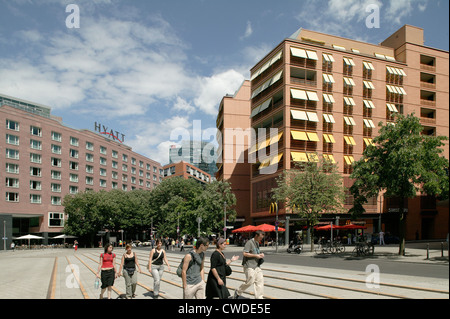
(213, 89)
(183, 106)
(248, 31)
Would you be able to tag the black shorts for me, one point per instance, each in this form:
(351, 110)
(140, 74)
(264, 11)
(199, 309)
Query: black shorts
(107, 278)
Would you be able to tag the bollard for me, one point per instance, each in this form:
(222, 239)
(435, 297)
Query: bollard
(428, 251)
(442, 249)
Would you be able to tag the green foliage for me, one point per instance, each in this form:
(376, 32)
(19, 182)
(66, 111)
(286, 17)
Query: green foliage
(310, 190)
(402, 163)
(175, 199)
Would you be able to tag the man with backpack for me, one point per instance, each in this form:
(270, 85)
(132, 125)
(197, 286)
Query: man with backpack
(192, 271)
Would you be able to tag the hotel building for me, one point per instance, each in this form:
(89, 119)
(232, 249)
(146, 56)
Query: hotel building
(326, 95)
(43, 160)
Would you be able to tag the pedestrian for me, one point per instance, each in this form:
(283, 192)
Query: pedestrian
(182, 245)
(156, 266)
(129, 263)
(173, 244)
(108, 270)
(75, 245)
(349, 239)
(13, 246)
(192, 273)
(253, 258)
(220, 269)
(381, 234)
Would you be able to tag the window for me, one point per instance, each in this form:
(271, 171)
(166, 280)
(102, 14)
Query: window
(56, 136)
(35, 185)
(115, 154)
(89, 169)
(102, 172)
(12, 139)
(12, 197)
(12, 182)
(35, 199)
(124, 158)
(56, 162)
(12, 125)
(12, 168)
(103, 150)
(73, 178)
(55, 219)
(89, 157)
(56, 149)
(73, 189)
(56, 200)
(73, 153)
(36, 131)
(89, 180)
(73, 141)
(35, 171)
(36, 145)
(56, 188)
(12, 154)
(89, 146)
(102, 161)
(56, 175)
(35, 158)
(102, 183)
(124, 167)
(73, 166)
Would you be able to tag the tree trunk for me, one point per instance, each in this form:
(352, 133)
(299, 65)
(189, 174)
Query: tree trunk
(402, 230)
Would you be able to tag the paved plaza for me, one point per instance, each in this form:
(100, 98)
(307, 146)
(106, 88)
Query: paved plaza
(66, 274)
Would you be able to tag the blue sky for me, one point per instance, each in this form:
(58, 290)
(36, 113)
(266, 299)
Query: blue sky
(147, 68)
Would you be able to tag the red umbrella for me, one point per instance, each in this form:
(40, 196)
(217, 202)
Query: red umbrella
(268, 228)
(328, 227)
(352, 226)
(245, 229)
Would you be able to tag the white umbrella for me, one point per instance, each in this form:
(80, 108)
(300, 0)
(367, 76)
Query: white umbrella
(64, 236)
(29, 236)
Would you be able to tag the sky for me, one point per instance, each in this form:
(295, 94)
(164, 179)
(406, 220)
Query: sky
(152, 69)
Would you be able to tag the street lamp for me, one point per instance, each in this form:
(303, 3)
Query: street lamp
(225, 220)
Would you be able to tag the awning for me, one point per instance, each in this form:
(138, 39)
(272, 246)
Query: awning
(349, 61)
(329, 138)
(369, 123)
(299, 94)
(328, 98)
(369, 104)
(299, 136)
(299, 157)
(349, 159)
(329, 118)
(368, 65)
(349, 81)
(349, 140)
(368, 141)
(349, 120)
(329, 157)
(369, 85)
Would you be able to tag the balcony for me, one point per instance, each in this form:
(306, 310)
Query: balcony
(427, 85)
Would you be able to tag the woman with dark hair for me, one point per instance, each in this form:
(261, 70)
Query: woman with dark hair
(220, 269)
(129, 263)
(156, 266)
(108, 270)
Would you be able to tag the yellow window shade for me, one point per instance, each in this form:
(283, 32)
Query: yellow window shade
(276, 159)
(276, 138)
(368, 141)
(299, 136)
(264, 163)
(352, 140)
(347, 140)
(263, 144)
(326, 138)
(299, 157)
(329, 157)
(313, 137)
(349, 159)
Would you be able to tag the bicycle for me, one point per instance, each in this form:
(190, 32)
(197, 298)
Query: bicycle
(363, 249)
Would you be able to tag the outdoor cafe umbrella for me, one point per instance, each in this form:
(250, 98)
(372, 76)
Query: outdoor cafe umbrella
(328, 227)
(245, 229)
(64, 236)
(352, 226)
(29, 237)
(268, 228)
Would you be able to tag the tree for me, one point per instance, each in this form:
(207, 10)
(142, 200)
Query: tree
(211, 203)
(311, 189)
(401, 162)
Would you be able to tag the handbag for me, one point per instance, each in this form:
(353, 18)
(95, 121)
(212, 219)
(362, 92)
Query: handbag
(130, 271)
(228, 270)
